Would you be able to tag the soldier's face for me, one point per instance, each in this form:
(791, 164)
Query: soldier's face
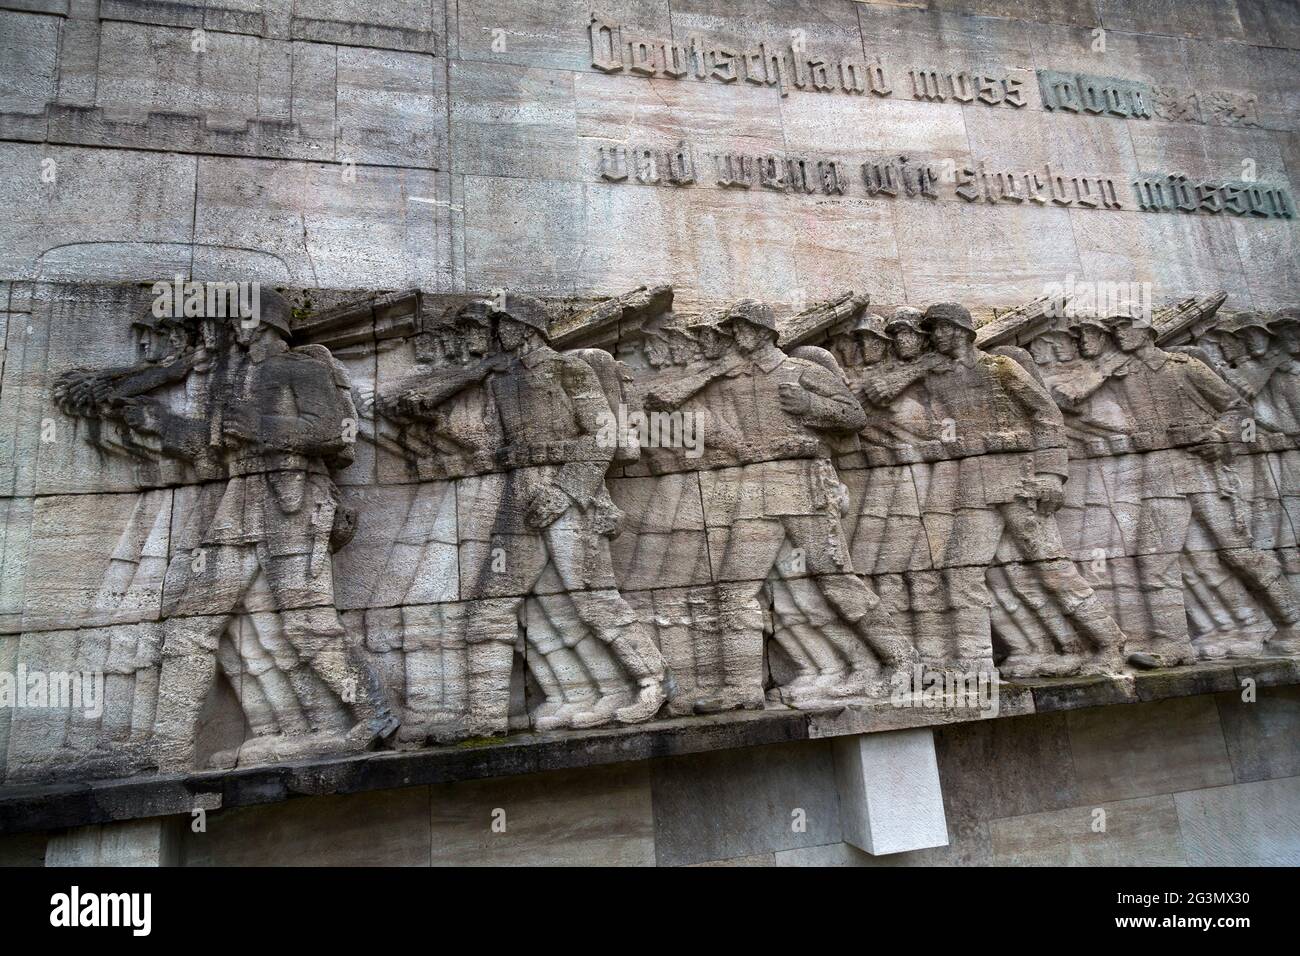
(846, 350)
(476, 336)
(872, 348)
(510, 334)
(713, 343)
(1064, 349)
(1257, 342)
(1130, 337)
(1093, 341)
(1230, 346)
(908, 343)
(150, 344)
(1288, 337)
(749, 337)
(945, 338)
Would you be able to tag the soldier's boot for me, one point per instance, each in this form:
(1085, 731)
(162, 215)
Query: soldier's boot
(1167, 643)
(1095, 625)
(643, 663)
(322, 645)
(1264, 574)
(611, 689)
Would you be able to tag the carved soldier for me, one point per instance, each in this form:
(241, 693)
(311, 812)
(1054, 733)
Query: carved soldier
(278, 421)
(780, 504)
(549, 513)
(1011, 486)
(1192, 494)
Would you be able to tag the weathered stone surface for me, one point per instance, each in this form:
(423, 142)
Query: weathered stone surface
(1244, 824)
(1141, 832)
(390, 828)
(601, 818)
(1260, 743)
(1122, 751)
(28, 54)
(737, 802)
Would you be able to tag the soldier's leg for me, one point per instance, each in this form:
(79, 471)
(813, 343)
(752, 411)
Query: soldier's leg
(1037, 538)
(213, 588)
(1260, 571)
(821, 540)
(579, 556)
(312, 627)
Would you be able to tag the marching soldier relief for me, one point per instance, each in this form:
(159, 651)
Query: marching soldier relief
(720, 406)
(546, 515)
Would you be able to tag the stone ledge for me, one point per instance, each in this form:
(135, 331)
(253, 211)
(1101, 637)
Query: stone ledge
(47, 807)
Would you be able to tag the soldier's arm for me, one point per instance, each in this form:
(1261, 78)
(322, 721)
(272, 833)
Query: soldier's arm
(1046, 423)
(582, 478)
(675, 394)
(1225, 400)
(419, 395)
(831, 406)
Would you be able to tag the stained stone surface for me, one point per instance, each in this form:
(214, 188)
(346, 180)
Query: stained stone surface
(648, 360)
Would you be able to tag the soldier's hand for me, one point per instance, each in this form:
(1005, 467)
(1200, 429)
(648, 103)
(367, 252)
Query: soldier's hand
(549, 504)
(794, 399)
(1051, 494)
(140, 415)
(241, 426)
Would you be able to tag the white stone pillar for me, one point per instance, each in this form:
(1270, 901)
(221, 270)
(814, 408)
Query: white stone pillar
(890, 798)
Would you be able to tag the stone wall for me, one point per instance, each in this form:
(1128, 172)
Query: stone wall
(392, 166)
(474, 131)
(1203, 780)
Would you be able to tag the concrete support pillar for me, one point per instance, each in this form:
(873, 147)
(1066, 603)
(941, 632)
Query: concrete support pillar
(152, 842)
(890, 798)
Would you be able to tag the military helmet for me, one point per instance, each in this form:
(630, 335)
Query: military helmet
(274, 310)
(1290, 316)
(754, 312)
(905, 317)
(524, 309)
(1243, 320)
(873, 323)
(478, 311)
(951, 312)
(1089, 321)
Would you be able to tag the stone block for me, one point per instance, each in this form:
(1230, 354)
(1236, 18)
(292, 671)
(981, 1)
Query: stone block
(1217, 19)
(304, 223)
(28, 52)
(891, 800)
(1005, 768)
(154, 842)
(404, 551)
(383, 828)
(741, 802)
(514, 121)
(1141, 832)
(1248, 824)
(414, 25)
(392, 108)
(1144, 749)
(595, 817)
(530, 33)
(97, 559)
(1261, 735)
(107, 215)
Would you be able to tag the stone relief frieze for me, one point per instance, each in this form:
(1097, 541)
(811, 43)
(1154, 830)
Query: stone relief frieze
(420, 519)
